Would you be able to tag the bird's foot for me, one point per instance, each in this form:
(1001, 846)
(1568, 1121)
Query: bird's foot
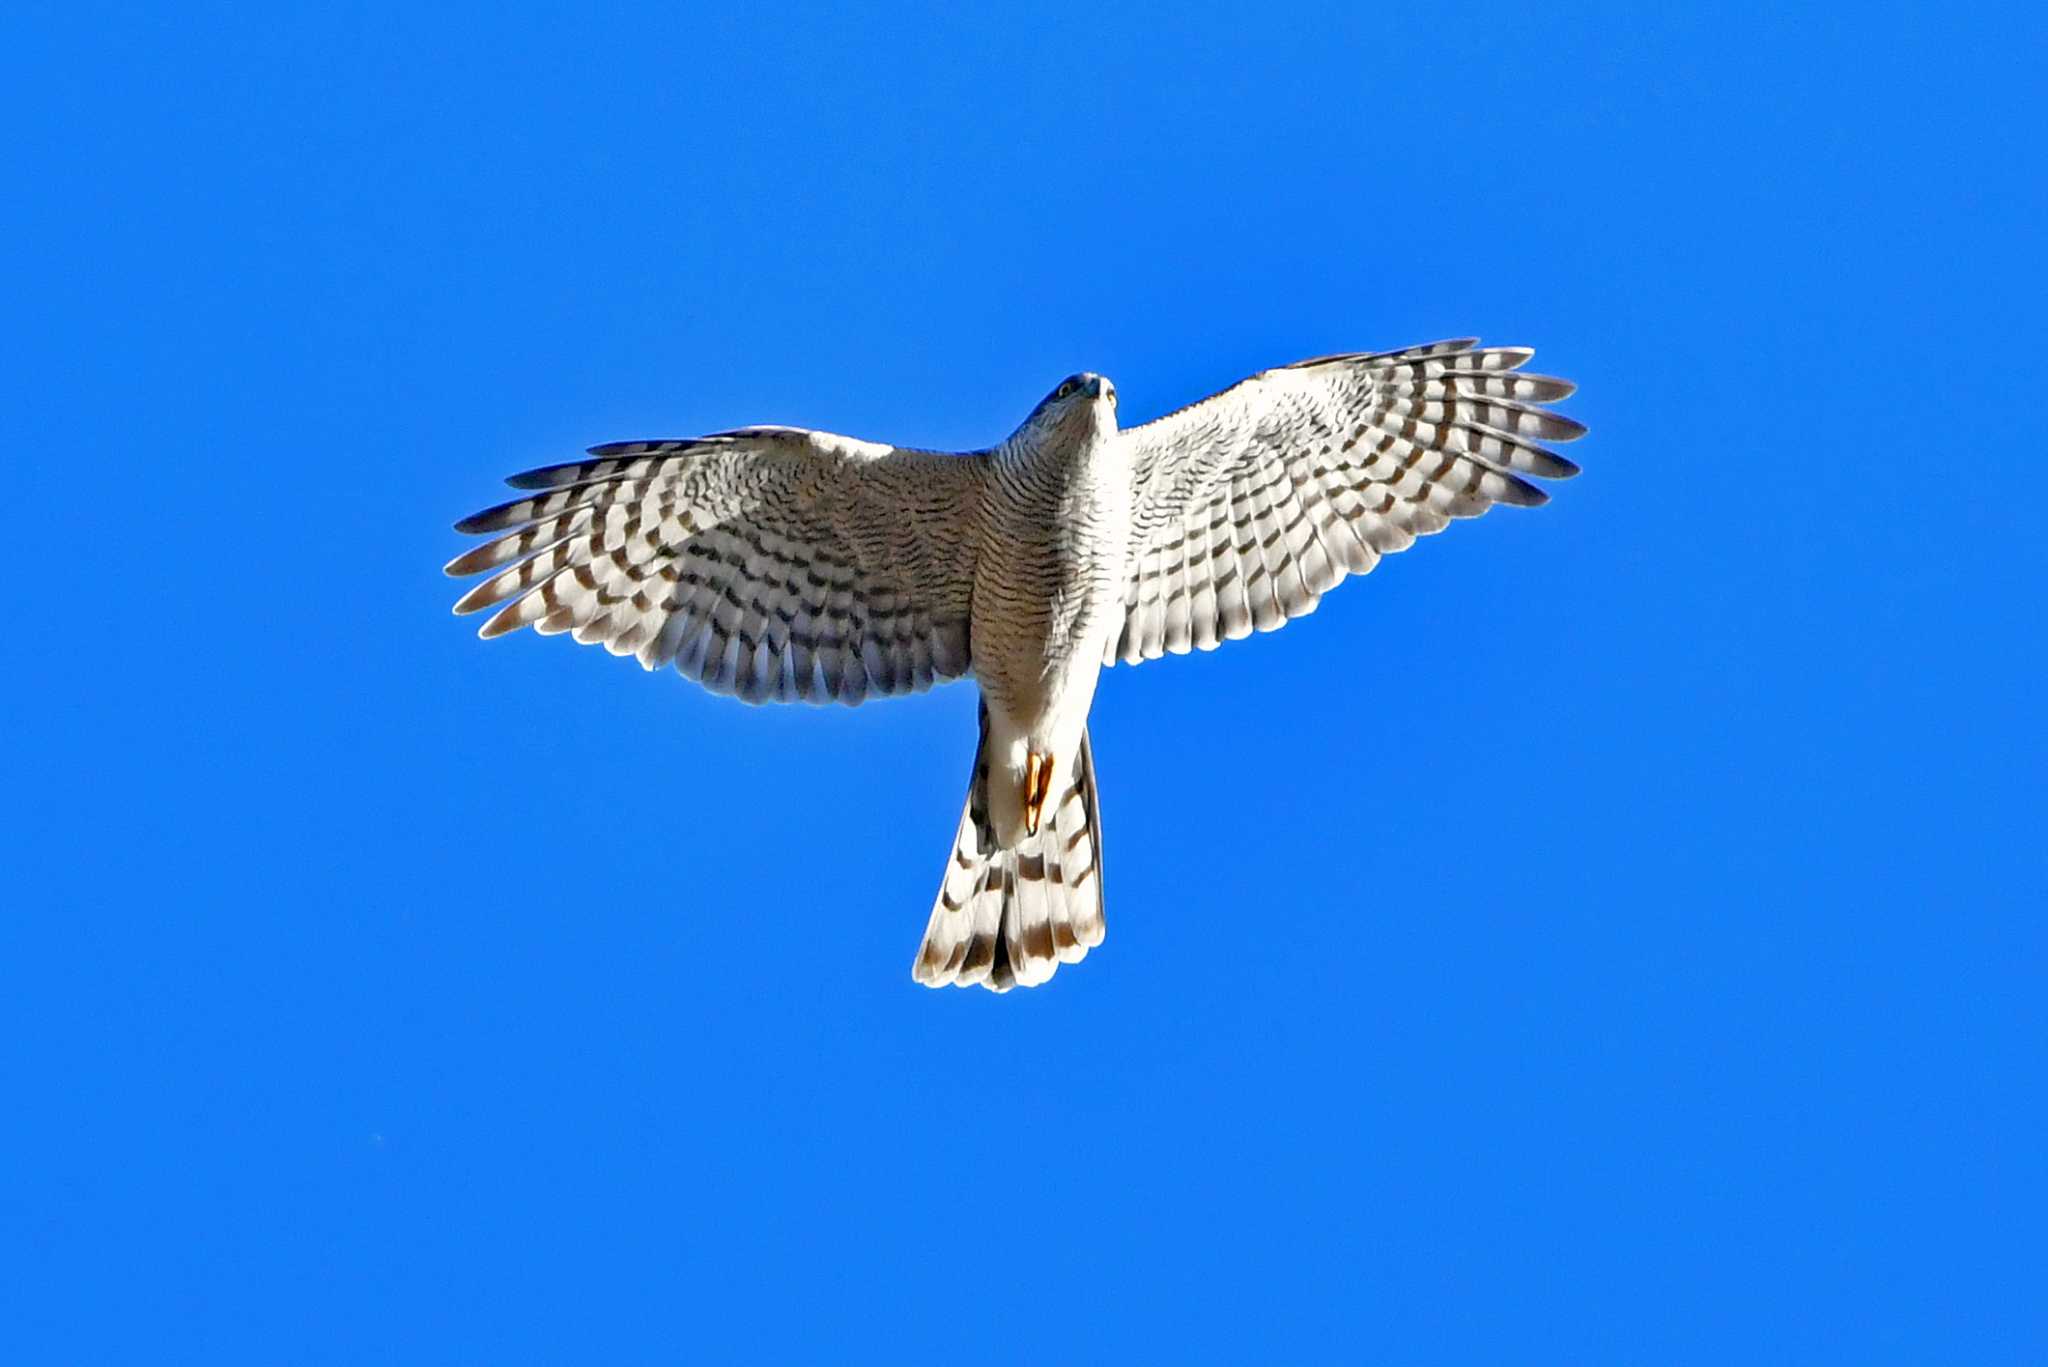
(1037, 785)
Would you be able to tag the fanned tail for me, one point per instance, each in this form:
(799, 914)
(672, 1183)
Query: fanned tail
(1010, 917)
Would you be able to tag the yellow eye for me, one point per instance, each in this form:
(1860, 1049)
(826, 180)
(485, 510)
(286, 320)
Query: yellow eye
(1066, 387)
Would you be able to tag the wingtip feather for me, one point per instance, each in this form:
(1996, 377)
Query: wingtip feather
(504, 621)
(545, 477)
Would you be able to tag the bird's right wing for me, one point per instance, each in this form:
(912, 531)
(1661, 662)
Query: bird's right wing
(771, 563)
(1251, 504)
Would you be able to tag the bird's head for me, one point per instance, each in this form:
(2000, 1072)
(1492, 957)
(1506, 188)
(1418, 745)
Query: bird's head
(1079, 406)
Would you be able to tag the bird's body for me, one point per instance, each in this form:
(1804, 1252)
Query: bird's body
(1048, 586)
(783, 564)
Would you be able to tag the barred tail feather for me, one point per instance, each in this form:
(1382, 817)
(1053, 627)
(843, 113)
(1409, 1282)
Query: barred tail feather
(1010, 917)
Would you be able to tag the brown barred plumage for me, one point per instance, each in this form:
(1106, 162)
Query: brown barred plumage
(778, 564)
(1255, 502)
(769, 563)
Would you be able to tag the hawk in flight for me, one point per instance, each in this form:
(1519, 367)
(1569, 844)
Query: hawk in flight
(775, 563)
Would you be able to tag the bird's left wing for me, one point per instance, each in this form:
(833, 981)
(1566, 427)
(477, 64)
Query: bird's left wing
(1252, 503)
(771, 563)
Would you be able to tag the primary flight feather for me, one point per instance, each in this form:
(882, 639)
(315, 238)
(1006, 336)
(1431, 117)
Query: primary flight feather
(777, 564)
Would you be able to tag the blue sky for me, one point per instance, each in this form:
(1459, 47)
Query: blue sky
(1620, 936)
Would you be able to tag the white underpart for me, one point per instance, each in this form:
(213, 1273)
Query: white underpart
(780, 564)
(1048, 600)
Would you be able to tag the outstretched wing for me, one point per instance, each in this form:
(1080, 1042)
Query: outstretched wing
(1253, 503)
(768, 562)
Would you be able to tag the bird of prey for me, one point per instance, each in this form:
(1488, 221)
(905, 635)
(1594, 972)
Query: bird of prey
(780, 564)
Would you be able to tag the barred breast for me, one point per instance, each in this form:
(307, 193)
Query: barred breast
(1048, 589)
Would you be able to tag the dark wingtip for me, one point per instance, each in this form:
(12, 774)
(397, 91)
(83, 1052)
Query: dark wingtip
(502, 623)
(1563, 428)
(472, 561)
(658, 446)
(1449, 346)
(546, 477)
(1520, 493)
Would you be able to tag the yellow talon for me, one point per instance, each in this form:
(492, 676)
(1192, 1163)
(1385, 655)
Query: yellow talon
(1037, 784)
